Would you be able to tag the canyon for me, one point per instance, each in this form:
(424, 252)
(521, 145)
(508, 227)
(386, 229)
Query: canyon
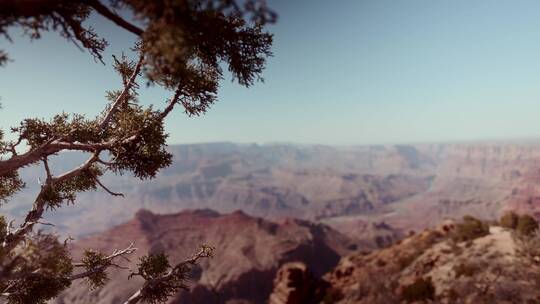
(280, 212)
(359, 191)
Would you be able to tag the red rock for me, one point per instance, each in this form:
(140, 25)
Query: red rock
(249, 251)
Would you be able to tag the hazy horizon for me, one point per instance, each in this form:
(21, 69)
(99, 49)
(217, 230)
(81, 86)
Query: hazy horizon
(502, 141)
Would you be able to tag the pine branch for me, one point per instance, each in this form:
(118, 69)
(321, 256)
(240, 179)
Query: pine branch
(204, 252)
(117, 253)
(36, 213)
(120, 99)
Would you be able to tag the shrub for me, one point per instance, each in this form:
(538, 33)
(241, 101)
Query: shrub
(405, 260)
(470, 229)
(466, 269)
(509, 220)
(380, 263)
(530, 246)
(419, 290)
(526, 225)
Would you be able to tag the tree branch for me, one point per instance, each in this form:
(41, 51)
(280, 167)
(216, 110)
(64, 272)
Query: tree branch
(106, 163)
(107, 189)
(205, 252)
(105, 12)
(76, 171)
(37, 7)
(18, 161)
(47, 170)
(13, 238)
(36, 213)
(51, 147)
(172, 103)
(80, 35)
(117, 253)
(120, 99)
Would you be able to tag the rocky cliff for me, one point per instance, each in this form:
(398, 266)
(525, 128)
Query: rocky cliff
(449, 264)
(249, 251)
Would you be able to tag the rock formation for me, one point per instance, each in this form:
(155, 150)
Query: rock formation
(435, 267)
(249, 252)
(295, 284)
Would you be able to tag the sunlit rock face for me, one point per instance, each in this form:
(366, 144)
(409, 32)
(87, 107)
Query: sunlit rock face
(430, 267)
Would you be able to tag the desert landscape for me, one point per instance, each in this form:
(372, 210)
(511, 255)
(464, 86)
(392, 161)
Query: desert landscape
(266, 206)
(269, 152)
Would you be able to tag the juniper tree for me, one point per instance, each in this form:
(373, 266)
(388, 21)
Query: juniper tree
(183, 46)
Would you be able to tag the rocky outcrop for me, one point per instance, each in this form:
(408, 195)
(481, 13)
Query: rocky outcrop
(435, 267)
(295, 284)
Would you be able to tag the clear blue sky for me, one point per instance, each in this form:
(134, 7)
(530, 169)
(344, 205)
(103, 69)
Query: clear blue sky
(344, 72)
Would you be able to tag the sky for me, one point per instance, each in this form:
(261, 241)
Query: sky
(344, 72)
